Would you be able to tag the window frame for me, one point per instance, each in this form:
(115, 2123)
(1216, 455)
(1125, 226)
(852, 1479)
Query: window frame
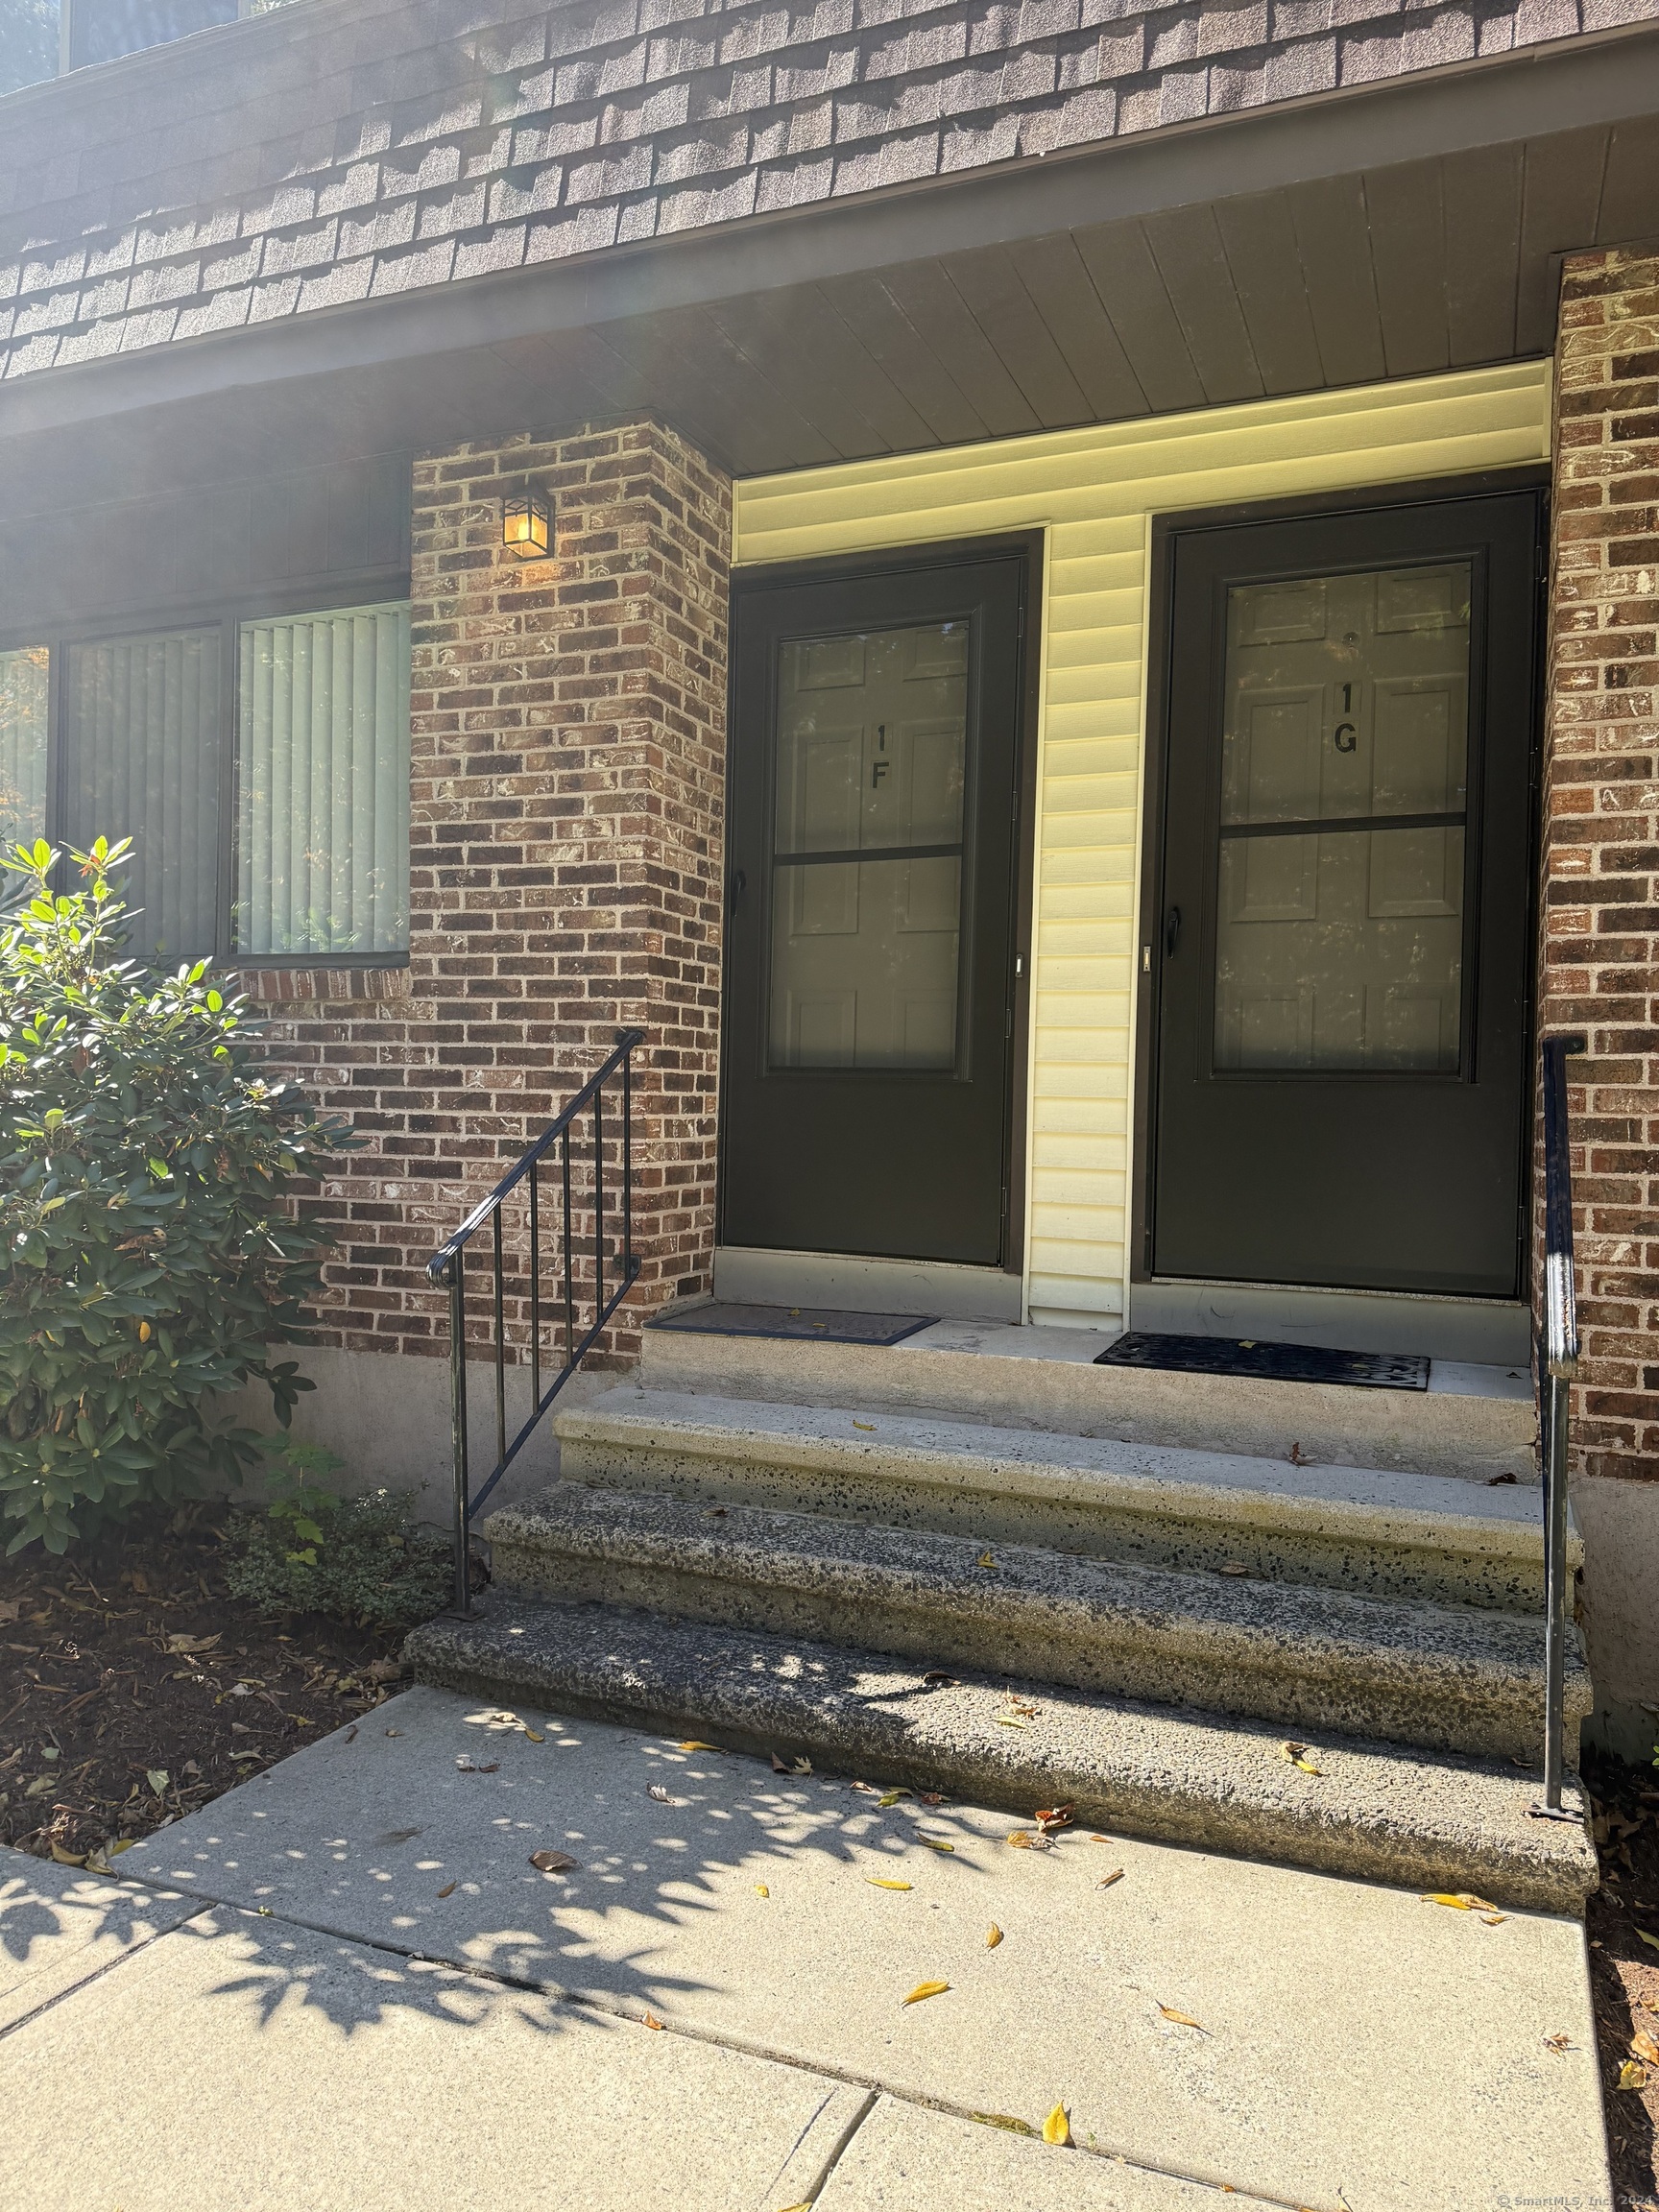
(361, 588)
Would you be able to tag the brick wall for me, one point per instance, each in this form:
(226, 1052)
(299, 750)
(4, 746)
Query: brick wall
(1600, 936)
(568, 777)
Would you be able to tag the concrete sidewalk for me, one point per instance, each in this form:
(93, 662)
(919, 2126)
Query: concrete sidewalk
(343, 1987)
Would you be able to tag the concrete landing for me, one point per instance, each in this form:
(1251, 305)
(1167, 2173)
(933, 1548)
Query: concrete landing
(1297, 2039)
(1472, 1422)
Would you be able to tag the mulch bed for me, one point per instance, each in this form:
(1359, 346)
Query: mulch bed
(1624, 1970)
(134, 1688)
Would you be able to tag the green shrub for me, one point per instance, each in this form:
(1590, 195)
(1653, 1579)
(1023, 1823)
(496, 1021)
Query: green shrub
(357, 1558)
(148, 1255)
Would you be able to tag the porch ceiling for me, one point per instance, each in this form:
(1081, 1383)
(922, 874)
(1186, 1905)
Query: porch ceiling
(1389, 233)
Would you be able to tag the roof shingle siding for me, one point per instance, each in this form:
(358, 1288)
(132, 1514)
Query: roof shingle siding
(339, 149)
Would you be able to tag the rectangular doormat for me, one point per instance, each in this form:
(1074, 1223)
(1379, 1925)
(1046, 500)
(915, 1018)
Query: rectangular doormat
(819, 1324)
(1276, 1362)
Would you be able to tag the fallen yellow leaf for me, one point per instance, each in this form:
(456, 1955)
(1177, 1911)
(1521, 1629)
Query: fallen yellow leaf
(534, 1737)
(1461, 1901)
(868, 1424)
(927, 1990)
(1106, 1880)
(933, 1843)
(696, 1746)
(1031, 1839)
(1057, 2128)
(878, 1882)
(891, 1797)
(652, 2021)
(1631, 2076)
(1297, 1754)
(1183, 2019)
(1643, 2046)
(1647, 1938)
(1493, 1919)
(1008, 1720)
(121, 1843)
(993, 1936)
(66, 1858)
(761, 1891)
(1003, 2120)
(986, 1560)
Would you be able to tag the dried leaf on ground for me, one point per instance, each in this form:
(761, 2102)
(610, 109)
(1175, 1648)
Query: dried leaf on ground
(867, 1425)
(761, 1891)
(880, 1882)
(1643, 2046)
(1057, 2128)
(157, 1779)
(801, 1765)
(66, 1858)
(1106, 1880)
(936, 1678)
(1561, 2042)
(447, 1890)
(1003, 2120)
(1297, 1754)
(1183, 2019)
(349, 1736)
(489, 1766)
(892, 1797)
(1492, 1919)
(1031, 1839)
(1011, 1721)
(694, 1746)
(931, 1796)
(1647, 1938)
(985, 1559)
(936, 1843)
(1631, 2076)
(191, 1642)
(652, 2021)
(551, 1861)
(535, 1736)
(927, 1990)
(663, 1796)
(1461, 1901)
(993, 1936)
(1054, 1817)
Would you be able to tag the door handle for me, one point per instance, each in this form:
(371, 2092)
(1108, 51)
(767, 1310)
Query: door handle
(1171, 932)
(739, 884)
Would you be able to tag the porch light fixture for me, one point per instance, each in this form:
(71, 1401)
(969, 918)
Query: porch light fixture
(527, 525)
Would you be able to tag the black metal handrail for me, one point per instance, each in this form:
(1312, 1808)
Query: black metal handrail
(447, 1266)
(1557, 1365)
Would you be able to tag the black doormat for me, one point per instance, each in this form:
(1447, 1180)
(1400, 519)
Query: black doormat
(821, 1324)
(1276, 1362)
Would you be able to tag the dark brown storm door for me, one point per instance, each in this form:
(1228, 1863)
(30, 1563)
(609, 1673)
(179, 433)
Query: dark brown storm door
(1339, 937)
(871, 895)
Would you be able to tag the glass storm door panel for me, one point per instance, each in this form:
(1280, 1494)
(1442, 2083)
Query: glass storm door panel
(871, 880)
(1339, 961)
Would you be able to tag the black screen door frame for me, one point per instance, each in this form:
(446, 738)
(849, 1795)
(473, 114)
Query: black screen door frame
(1029, 547)
(1148, 952)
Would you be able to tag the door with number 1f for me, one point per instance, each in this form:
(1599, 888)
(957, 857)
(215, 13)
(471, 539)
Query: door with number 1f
(870, 898)
(1341, 947)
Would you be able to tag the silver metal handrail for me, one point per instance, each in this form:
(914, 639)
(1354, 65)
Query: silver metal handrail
(1557, 1365)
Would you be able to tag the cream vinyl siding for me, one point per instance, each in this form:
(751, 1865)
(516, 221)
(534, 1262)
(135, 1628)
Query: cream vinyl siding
(1095, 493)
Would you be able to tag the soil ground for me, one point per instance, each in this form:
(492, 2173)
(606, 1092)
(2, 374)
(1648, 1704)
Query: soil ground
(134, 1688)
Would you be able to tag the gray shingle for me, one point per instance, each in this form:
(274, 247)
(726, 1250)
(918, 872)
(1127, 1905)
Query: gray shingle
(415, 266)
(795, 184)
(578, 230)
(889, 161)
(502, 246)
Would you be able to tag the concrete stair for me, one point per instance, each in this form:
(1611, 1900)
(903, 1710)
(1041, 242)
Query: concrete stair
(1456, 1679)
(880, 1556)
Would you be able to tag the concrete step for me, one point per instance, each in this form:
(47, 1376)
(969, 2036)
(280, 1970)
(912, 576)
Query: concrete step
(1385, 1534)
(1451, 1677)
(1471, 1423)
(1415, 1818)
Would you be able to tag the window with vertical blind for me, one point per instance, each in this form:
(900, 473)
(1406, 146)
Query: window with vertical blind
(258, 762)
(25, 678)
(322, 784)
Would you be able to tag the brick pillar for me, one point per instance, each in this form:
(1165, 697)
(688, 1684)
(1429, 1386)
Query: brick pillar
(1601, 932)
(567, 868)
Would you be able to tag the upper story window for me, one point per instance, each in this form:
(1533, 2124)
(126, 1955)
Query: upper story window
(259, 762)
(41, 39)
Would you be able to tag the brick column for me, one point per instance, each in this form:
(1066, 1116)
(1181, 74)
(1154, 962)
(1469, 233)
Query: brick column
(568, 779)
(1600, 934)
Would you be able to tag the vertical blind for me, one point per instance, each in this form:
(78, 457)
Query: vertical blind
(23, 684)
(141, 730)
(322, 784)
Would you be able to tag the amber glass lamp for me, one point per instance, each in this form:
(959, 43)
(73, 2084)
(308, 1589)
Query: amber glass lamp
(527, 525)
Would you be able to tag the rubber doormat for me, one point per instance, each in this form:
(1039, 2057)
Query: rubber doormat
(823, 1324)
(1276, 1362)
